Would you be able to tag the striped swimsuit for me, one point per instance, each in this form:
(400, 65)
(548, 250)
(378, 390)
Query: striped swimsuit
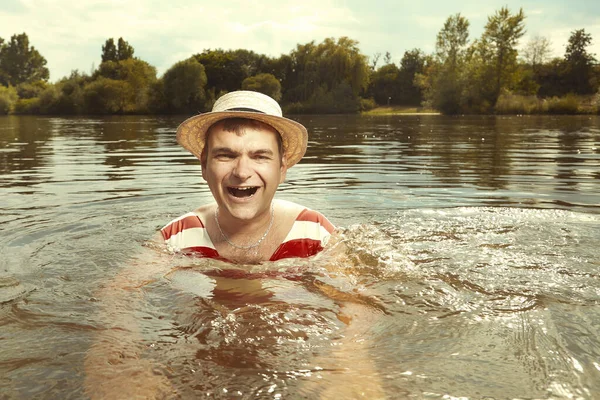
(308, 236)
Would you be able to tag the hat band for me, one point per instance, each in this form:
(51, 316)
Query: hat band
(245, 109)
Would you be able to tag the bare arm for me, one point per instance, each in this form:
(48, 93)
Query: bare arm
(113, 365)
(356, 373)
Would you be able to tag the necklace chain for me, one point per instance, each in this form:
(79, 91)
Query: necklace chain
(249, 246)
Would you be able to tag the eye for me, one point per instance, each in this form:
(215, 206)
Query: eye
(225, 156)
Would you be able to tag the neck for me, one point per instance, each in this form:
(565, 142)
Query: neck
(243, 233)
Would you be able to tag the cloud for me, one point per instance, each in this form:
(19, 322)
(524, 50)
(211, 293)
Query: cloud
(70, 34)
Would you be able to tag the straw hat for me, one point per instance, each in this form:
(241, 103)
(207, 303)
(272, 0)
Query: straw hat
(191, 134)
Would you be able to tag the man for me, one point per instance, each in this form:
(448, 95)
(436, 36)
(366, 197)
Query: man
(245, 147)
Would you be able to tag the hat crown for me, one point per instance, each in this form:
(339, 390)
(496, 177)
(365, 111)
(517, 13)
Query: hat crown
(245, 100)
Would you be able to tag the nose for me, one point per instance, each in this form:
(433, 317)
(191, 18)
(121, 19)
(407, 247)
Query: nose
(242, 168)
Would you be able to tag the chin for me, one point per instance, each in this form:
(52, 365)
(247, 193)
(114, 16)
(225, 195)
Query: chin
(242, 211)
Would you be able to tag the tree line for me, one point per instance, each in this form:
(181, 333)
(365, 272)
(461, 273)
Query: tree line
(485, 75)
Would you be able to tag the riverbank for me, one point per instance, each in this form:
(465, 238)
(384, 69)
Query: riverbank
(512, 104)
(401, 110)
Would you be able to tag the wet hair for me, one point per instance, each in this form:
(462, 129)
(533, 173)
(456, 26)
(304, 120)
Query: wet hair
(237, 126)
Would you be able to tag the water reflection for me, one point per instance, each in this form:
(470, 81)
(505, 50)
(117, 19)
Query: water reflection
(23, 148)
(502, 154)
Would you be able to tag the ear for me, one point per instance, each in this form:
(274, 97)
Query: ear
(283, 169)
(203, 163)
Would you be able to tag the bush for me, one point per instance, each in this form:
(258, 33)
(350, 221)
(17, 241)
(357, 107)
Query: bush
(294, 108)
(27, 106)
(107, 96)
(49, 100)
(30, 90)
(563, 105)
(8, 98)
(367, 104)
(182, 88)
(264, 83)
(518, 104)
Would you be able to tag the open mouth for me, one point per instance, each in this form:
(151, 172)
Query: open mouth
(242, 191)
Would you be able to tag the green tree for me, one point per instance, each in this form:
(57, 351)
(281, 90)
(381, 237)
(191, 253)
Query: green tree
(502, 32)
(537, 51)
(120, 52)
(183, 87)
(124, 50)
(107, 96)
(264, 83)
(412, 64)
(384, 84)
(20, 62)
(451, 40)
(109, 51)
(325, 67)
(29, 90)
(224, 71)
(580, 77)
(70, 94)
(478, 78)
(443, 79)
(135, 78)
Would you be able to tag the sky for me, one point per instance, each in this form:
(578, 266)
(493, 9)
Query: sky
(70, 34)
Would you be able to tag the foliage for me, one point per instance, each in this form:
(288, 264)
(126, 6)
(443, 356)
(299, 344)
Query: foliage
(20, 62)
(135, 77)
(484, 76)
(324, 68)
(503, 31)
(226, 70)
(27, 106)
(565, 105)
(340, 100)
(443, 80)
(413, 63)
(29, 90)
(579, 64)
(367, 104)
(451, 40)
(384, 84)
(107, 96)
(470, 79)
(183, 87)
(110, 52)
(536, 51)
(8, 98)
(518, 104)
(263, 83)
(65, 97)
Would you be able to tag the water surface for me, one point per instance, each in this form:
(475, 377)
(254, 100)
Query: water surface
(471, 269)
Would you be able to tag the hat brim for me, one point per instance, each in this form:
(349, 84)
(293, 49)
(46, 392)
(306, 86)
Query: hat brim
(191, 134)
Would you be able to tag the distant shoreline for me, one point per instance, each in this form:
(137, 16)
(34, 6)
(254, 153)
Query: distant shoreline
(401, 110)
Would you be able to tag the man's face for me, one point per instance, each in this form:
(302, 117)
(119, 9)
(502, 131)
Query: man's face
(243, 171)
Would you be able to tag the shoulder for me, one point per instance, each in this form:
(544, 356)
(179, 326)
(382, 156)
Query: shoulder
(192, 220)
(186, 221)
(297, 214)
(289, 208)
(306, 222)
(309, 233)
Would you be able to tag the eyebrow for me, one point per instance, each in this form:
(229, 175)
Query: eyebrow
(229, 150)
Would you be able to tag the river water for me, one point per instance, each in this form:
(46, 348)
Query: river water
(469, 266)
